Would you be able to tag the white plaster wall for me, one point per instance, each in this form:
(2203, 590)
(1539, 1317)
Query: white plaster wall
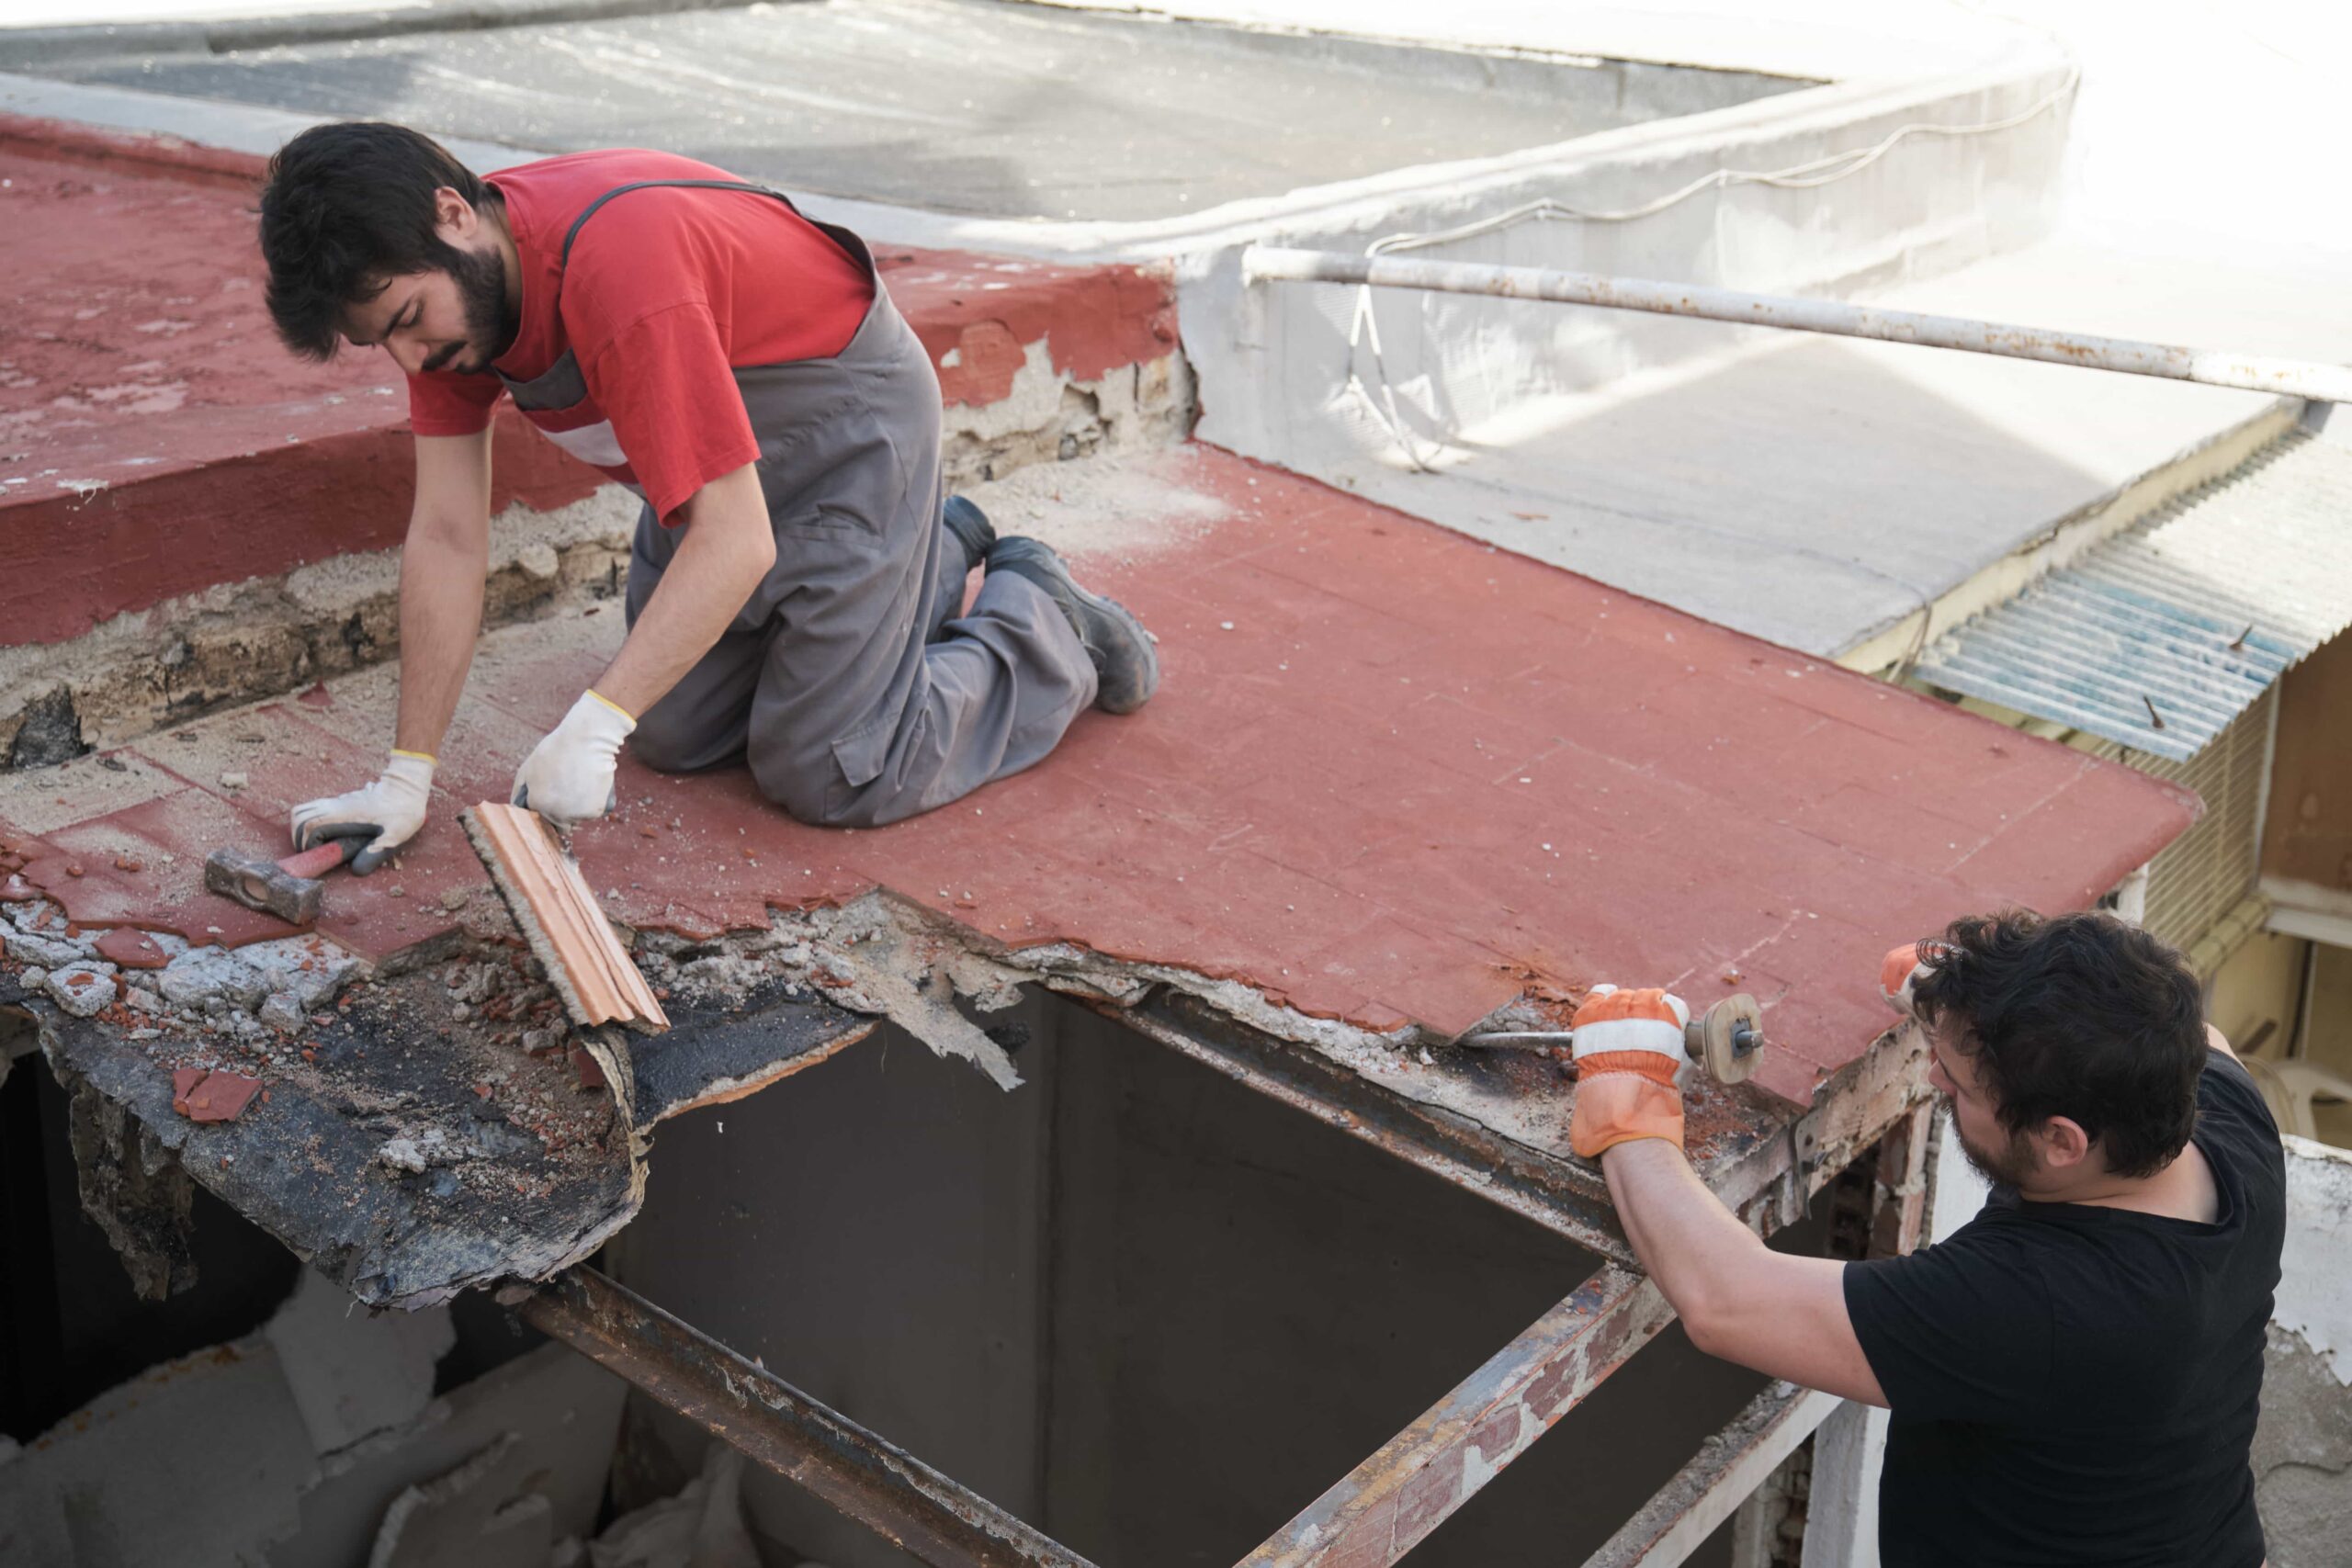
(2316, 1295)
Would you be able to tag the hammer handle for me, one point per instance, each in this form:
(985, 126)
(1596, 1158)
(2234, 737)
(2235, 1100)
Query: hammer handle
(322, 858)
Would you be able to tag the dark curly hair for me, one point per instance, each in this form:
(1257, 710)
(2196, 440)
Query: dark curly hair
(2083, 1015)
(345, 209)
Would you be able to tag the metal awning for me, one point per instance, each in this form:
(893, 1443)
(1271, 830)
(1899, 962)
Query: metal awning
(2161, 636)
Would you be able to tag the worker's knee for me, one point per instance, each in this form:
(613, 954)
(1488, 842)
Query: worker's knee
(816, 790)
(811, 789)
(666, 743)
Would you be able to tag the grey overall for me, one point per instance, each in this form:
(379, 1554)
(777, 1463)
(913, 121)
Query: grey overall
(849, 680)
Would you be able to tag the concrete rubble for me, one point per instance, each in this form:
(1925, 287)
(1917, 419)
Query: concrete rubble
(337, 1438)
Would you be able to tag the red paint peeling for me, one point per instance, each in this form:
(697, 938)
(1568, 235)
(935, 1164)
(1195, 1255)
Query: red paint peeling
(1425, 1500)
(1093, 319)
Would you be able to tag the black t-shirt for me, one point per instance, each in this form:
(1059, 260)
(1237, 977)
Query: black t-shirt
(2072, 1384)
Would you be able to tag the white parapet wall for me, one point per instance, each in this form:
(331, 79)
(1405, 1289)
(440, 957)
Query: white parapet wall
(1278, 357)
(2302, 1453)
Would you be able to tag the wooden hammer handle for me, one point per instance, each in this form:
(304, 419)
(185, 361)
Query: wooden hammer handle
(322, 858)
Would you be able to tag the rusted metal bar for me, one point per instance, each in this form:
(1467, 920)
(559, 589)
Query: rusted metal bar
(1569, 1200)
(890, 1492)
(1393, 1500)
(1729, 1466)
(2247, 372)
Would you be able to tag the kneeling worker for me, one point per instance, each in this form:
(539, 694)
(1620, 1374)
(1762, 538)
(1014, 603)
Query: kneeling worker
(2074, 1375)
(796, 589)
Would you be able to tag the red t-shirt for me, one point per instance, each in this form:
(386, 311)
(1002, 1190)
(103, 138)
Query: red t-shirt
(667, 289)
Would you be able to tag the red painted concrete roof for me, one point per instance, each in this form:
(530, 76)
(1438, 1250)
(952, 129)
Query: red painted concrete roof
(1392, 774)
(155, 439)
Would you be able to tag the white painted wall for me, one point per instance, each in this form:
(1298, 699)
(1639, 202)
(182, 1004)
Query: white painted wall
(2317, 1265)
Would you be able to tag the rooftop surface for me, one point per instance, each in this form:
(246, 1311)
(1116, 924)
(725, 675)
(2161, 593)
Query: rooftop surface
(1395, 777)
(954, 106)
(1814, 490)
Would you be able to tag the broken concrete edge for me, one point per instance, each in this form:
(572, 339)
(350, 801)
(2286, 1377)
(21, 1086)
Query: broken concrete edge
(138, 1134)
(145, 670)
(888, 957)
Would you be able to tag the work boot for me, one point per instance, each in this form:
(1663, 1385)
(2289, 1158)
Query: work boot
(971, 528)
(1126, 664)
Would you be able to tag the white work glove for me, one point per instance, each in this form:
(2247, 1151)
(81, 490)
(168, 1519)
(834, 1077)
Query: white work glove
(568, 777)
(387, 812)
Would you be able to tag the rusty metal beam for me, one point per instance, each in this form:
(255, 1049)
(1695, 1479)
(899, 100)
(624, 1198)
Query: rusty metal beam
(1728, 1466)
(890, 1492)
(1389, 1503)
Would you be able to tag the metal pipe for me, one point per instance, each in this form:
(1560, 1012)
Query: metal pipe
(2253, 373)
(890, 1492)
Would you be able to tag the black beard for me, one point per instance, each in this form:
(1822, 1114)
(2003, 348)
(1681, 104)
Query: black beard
(2004, 1171)
(491, 325)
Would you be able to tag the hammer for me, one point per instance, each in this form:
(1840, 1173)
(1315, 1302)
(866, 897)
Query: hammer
(289, 888)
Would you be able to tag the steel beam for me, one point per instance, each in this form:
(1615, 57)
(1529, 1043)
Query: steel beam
(890, 1492)
(1727, 1467)
(1389, 1503)
(2211, 368)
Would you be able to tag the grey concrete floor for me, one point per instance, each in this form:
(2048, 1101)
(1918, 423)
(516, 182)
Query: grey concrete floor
(967, 106)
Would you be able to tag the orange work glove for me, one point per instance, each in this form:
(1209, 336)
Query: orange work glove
(1628, 1047)
(1900, 972)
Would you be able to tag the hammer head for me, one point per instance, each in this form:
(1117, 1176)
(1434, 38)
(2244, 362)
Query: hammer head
(262, 885)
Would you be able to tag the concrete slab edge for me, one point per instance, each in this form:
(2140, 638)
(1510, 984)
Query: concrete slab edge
(146, 670)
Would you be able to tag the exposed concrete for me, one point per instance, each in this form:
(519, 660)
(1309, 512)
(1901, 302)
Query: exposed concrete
(2303, 1455)
(147, 669)
(2312, 1301)
(215, 1460)
(565, 1409)
(198, 1462)
(353, 1372)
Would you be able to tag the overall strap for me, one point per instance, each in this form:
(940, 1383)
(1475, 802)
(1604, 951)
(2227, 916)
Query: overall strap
(597, 206)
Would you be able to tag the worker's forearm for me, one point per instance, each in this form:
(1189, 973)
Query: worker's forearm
(728, 550)
(1688, 1241)
(442, 570)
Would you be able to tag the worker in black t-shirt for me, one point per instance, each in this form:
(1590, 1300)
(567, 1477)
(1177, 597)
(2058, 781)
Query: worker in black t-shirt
(2075, 1374)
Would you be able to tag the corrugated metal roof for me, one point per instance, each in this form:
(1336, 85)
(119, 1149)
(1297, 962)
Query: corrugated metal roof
(2158, 637)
